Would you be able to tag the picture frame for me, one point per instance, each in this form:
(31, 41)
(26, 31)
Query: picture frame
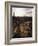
(20, 9)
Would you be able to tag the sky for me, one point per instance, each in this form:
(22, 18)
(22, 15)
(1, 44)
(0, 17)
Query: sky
(22, 11)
